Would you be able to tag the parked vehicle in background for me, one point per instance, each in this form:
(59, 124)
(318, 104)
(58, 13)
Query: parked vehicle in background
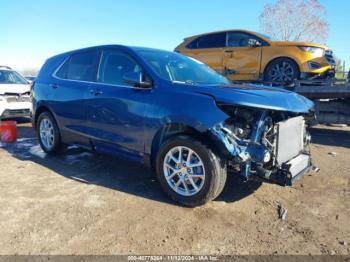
(173, 113)
(30, 79)
(246, 55)
(15, 98)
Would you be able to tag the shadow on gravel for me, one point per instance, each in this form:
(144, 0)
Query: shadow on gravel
(110, 172)
(330, 137)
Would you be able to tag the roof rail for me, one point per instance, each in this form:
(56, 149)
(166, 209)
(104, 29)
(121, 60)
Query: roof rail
(7, 67)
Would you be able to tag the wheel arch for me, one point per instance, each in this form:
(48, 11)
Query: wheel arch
(178, 129)
(39, 111)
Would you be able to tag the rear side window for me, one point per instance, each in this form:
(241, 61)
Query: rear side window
(81, 66)
(193, 44)
(217, 40)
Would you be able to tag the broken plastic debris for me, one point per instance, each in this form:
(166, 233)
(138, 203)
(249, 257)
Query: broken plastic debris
(282, 212)
(315, 169)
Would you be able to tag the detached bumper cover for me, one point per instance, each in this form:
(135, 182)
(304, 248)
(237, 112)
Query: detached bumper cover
(292, 170)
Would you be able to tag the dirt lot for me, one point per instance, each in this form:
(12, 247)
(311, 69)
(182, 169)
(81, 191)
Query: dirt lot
(81, 203)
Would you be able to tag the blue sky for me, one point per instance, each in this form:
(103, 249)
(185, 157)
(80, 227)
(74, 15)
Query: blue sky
(32, 31)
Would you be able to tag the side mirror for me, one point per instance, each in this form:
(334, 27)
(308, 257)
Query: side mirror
(253, 43)
(136, 79)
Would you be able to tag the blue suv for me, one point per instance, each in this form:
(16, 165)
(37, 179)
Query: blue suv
(174, 114)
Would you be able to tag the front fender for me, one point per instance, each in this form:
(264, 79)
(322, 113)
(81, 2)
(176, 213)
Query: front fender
(196, 111)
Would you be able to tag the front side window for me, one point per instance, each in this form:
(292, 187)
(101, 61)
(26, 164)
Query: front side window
(11, 77)
(240, 39)
(114, 65)
(217, 40)
(81, 66)
(179, 68)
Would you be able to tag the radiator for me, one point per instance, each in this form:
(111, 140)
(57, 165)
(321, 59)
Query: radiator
(290, 139)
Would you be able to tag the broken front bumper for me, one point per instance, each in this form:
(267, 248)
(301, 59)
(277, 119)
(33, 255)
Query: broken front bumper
(292, 170)
(15, 109)
(287, 158)
(292, 160)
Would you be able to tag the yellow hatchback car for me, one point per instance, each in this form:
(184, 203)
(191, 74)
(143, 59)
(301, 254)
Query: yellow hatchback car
(245, 55)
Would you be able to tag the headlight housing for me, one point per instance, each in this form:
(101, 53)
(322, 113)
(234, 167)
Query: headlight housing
(316, 51)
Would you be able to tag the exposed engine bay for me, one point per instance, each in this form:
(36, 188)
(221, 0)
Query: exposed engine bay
(270, 144)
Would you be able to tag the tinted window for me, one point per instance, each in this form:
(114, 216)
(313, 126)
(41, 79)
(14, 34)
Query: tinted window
(239, 39)
(212, 41)
(114, 65)
(193, 44)
(81, 66)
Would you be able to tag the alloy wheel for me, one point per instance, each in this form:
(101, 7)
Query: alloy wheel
(47, 135)
(282, 72)
(184, 171)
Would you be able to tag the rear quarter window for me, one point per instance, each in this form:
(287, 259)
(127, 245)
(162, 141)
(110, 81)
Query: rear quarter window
(80, 66)
(63, 70)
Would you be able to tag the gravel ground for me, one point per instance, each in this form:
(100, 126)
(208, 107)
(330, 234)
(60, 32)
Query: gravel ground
(82, 203)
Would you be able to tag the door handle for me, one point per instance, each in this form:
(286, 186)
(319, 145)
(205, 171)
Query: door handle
(228, 71)
(95, 92)
(54, 86)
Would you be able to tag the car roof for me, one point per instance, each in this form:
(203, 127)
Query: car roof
(132, 48)
(6, 68)
(228, 30)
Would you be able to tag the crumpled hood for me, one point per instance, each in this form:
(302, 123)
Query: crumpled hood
(258, 96)
(14, 88)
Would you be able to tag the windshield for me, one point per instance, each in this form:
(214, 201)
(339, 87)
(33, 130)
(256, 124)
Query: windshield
(11, 77)
(179, 68)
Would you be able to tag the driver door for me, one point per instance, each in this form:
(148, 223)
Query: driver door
(241, 60)
(116, 109)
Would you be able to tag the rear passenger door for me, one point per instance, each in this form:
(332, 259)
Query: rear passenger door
(116, 109)
(209, 49)
(69, 92)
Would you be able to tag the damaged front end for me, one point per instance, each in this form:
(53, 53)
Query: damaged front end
(273, 145)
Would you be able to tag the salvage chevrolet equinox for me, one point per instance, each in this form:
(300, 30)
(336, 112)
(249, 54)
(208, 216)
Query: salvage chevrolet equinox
(174, 114)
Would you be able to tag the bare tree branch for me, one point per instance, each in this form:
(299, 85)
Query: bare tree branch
(295, 20)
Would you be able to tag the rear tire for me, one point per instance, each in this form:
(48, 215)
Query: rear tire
(48, 133)
(189, 172)
(282, 70)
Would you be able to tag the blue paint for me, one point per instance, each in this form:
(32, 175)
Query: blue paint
(123, 120)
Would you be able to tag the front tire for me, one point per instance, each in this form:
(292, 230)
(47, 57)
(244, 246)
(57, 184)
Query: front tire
(48, 133)
(282, 70)
(189, 172)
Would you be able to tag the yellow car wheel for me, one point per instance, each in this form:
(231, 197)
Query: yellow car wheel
(282, 70)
